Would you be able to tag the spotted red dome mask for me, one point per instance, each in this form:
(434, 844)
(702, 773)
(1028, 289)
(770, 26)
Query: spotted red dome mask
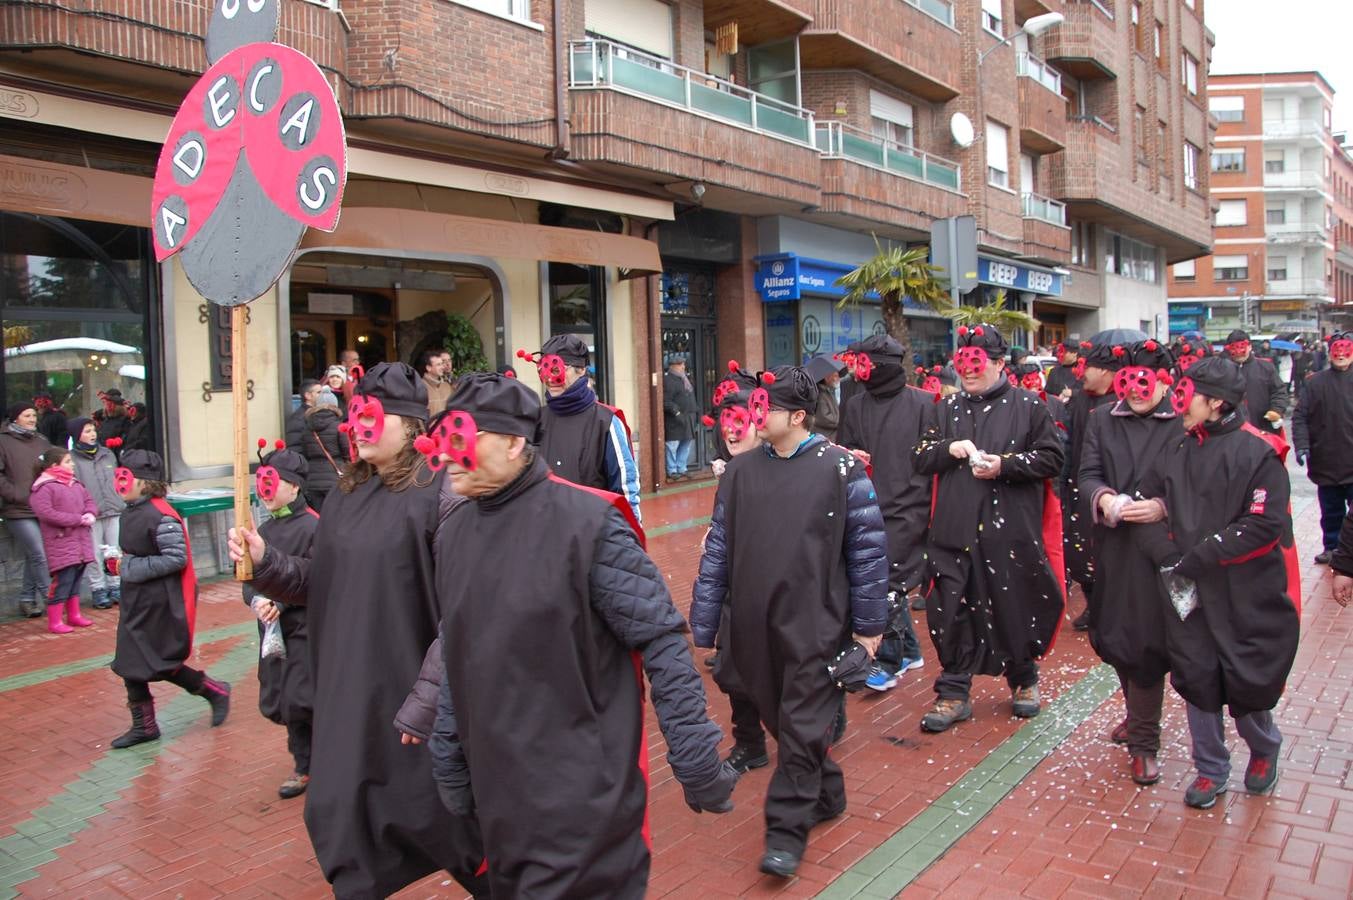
(1135, 383)
(759, 407)
(735, 422)
(1032, 381)
(1342, 348)
(551, 368)
(1238, 349)
(970, 361)
(859, 364)
(362, 408)
(456, 436)
(266, 483)
(1182, 395)
(123, 480)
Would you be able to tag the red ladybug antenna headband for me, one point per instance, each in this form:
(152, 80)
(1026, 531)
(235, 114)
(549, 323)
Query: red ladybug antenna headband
(267, 479)
(549, 366)
(859, 363)
(455, 435)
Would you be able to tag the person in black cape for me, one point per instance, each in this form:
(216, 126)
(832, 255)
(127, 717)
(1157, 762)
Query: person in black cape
(800, 578)
(585, 441)
(881, 425)
(1102, 364)
(1216, 513)
(827, 415)
(369, 588)
(285, 694)
(1063, 378)
(998, 597)
(1265, 394)
(540, 724)
(1127, 619)
(1322, 432)
(159, 600)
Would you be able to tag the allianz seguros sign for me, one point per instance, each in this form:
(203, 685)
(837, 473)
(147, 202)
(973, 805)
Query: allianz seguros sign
(777, 280)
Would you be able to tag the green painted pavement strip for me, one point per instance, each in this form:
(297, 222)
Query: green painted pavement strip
(55, 824)
(667, 491)
(38, 676)
(676, 526)
(900, 859)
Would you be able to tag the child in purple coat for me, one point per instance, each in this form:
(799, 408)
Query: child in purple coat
(66, 514)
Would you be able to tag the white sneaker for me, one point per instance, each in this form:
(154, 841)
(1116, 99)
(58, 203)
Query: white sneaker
(909, 664)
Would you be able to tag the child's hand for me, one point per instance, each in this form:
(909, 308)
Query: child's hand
(87, 519)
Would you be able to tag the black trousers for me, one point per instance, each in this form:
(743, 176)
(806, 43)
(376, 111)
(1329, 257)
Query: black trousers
(298, 745)
(186, 677)
(958, 685)
(807, 785)
(1144, 703)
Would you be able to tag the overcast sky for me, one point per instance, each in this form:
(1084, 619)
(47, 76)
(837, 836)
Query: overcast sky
(1287, 36)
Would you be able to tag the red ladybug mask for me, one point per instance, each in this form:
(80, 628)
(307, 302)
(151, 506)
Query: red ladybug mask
(1032, 381)
(859, 364)
(266, 483)
(551, 367)
(456, 436)
(735, 421)
(724, 390)
(1342, 348)
(123, 479)
(1182, 395)
(759, 407)
(359, 408)
(1239, 349)
(1135, 382)
(1079, 369)
(970, 361)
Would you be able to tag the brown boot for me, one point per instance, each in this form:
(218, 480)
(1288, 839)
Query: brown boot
(1024, 702)
(944, 714)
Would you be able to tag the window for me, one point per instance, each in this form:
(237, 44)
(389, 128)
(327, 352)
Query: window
(77, 299)
(1191, 154)
(1186, 270)
(1143, 139)
(1158, 44)
(1231, 212)
(1189, 3)
(891, 119)
(1082, 250)
(578, 306)
(512, 9)
(991, 16)
(1129, 258)
(998, 154)
(1227, 109)
(1228, 160)
(1274, 162)
(1275, 215)
(773, 69)
(1138, 33)
(1162, 150)
(1277, 268)
(1231, 268)
(1190, 74)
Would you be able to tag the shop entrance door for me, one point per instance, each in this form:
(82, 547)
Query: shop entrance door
(688, 329)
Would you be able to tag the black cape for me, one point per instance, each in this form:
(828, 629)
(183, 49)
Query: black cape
(155, 620)
(285, 693)
(1077, 516)
(574, 447)
(1264, 390)
(886, 421)
(549, 703)
(372, 809)
(1229, 516)
(1127, 617)
(997, 540)
(1323, 425)
(1060, 378)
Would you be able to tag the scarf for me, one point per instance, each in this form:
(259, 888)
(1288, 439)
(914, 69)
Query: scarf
(22, 432)
(58, 474)
(89, 451)
(887, 380)
(578, 397)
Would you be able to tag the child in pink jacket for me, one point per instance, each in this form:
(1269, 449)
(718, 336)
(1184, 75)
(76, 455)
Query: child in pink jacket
(66, 514)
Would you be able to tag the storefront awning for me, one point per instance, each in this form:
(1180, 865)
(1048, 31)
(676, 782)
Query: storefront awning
(409, 231)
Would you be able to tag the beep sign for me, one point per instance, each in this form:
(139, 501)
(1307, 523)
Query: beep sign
(1007, 274)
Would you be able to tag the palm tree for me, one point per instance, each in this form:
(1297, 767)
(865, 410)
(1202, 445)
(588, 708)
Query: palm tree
(1007, 321)
(893, 274)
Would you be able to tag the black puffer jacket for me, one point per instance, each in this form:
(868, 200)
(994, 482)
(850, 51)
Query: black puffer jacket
(320, 437)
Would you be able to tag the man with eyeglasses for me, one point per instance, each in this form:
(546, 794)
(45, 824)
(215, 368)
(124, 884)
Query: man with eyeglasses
(797, 546)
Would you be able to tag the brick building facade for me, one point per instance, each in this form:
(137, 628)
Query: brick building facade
(628, 170)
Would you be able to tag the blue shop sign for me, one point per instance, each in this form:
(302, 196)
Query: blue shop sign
(1007, 274)
(1178, 310)
(788, 276)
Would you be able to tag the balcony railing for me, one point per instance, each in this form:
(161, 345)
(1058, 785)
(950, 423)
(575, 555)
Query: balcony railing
(1036, 206)
(1293, 128)
(1303, 286)
(1306, 179)
(602, 64)
(1031, 66)
(837, 140)
(1296, 233)
(937, 9)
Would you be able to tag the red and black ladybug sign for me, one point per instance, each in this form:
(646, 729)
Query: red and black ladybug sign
(255, 155)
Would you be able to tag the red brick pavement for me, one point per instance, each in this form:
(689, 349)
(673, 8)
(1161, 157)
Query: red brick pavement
(203, 819)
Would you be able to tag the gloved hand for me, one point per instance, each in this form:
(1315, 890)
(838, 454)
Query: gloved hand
(1302, 456)
(715, 795)
(113, 565)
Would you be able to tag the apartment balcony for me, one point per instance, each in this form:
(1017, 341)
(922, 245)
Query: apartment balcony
(1042, 108)
(910, 44)
(876, 180)
(1026, 9)
(1296, 233)
(1294, 130)
(645, 115)
(1046, 235)
(1044, 209)
(1301, 180)
(1297, 287)
(759, 21)
(1343, 255)
(1086, 44)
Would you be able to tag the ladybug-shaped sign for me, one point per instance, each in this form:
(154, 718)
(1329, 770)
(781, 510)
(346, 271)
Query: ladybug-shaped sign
(255, 155)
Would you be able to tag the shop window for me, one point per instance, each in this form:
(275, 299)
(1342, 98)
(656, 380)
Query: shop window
(76, 300)
(577, 296)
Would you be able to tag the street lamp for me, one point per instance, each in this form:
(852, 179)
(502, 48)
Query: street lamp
(1032, 27)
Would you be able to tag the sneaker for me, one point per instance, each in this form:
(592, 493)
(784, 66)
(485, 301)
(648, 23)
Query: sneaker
(293, 786)
(1261, 774)
(1203, 793)
(880, 679)
(1024, 702)
(742, 757)
(908, 664)
(780, 863)
(102, 600)
(1082, 622)
(944, 714)
(1323, 558)
(1119, 735)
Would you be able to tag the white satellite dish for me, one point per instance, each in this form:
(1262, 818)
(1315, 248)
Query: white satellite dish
(960, 127)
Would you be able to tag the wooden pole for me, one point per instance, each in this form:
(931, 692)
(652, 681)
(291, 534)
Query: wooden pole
(239, 391)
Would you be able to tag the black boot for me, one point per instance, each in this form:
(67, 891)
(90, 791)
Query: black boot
(217, 693)
(143, 726)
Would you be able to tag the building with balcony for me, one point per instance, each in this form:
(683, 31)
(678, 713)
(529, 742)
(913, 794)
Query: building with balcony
(660, 177)
(1275, 189)
(1340, 315)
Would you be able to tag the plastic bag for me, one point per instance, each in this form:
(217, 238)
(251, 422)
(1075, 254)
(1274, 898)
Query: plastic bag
(1115, 514)
(273, 645)
(1183, 592)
